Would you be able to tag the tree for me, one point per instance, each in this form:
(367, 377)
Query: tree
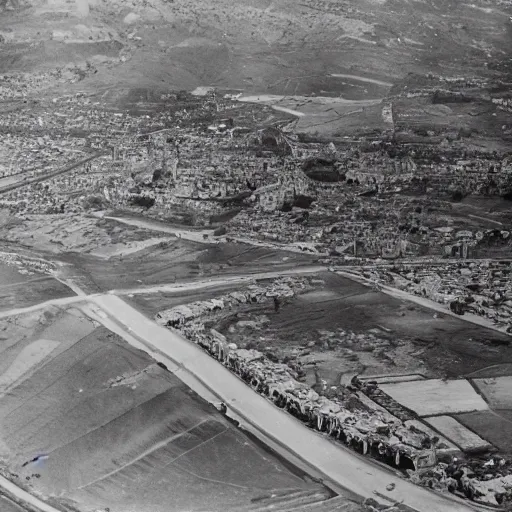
(144, 201)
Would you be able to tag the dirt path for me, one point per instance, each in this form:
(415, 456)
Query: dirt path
(54, 302)
(195, 236)
(212, 283)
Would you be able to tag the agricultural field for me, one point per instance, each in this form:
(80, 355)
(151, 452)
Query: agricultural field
(88, 421)
(497, 391)
(436, 396)
(494, 426)
(467, 440)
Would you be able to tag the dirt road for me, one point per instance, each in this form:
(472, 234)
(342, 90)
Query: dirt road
(198, 236)
(212, 283)
(362, 79)
(339, 465)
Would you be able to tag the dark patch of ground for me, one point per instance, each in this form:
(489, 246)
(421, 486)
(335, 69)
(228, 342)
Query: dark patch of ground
(450, 347)
(19, 290)
(493, 426)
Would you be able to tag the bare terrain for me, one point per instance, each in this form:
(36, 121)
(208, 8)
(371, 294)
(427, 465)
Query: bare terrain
(53, 434)
(312, 201)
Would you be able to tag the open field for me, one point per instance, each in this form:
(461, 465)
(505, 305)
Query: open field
(112, 428)
(434, 396)
(494, 426)
(22, 290)
(178, 260)
(497, 391)
(458, 433)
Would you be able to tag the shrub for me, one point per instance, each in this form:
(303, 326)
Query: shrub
(144, 201)
(94, 202)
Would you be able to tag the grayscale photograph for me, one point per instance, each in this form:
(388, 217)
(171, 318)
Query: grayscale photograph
(255, 256)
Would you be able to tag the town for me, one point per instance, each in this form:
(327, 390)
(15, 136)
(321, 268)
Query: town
(255, 256)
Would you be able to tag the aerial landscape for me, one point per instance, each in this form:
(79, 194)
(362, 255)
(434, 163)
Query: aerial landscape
(255, 256)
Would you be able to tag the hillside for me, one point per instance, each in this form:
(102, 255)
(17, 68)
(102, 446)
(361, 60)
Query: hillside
(260, 45)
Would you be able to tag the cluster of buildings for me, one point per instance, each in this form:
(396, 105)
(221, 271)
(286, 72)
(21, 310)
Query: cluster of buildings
(18, 86)
(350, 415)
(28, 156)
(71, 192)
(175, 161)
(482, 287)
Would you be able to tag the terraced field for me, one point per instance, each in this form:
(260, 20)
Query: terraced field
(89, 422)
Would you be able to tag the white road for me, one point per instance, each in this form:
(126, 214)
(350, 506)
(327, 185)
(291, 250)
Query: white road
(212, 283)
(338, 464)
(272, 99)
(196, 236)
(25, 497)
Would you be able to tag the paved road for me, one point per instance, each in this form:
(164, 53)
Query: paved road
(340, 465)
(25, 497)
